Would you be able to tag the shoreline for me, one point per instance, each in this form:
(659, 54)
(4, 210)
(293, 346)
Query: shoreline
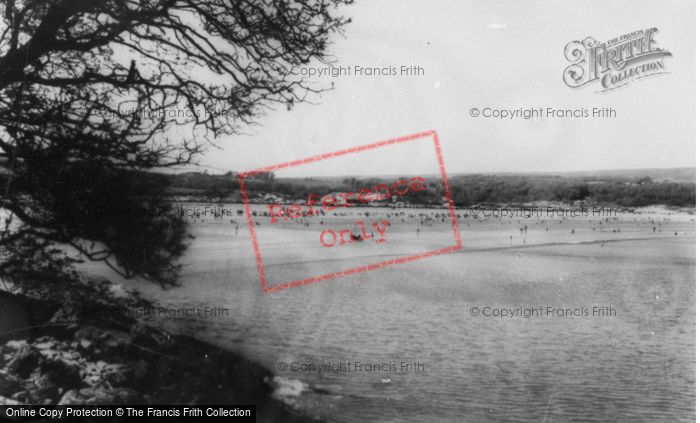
(73, 358)
(238, 376)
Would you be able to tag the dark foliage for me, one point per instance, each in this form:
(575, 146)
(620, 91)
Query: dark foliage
(472, 189)
(92, 92)
(476, 189)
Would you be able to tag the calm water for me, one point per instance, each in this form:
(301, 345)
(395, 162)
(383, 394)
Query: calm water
(637, 365)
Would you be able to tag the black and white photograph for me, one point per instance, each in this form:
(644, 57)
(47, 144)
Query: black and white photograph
(348, 211)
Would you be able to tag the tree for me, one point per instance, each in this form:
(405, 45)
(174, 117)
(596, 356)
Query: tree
(95, 92)
(264, 176)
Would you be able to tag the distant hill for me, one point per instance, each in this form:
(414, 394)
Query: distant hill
(681, 174)
(629, 188)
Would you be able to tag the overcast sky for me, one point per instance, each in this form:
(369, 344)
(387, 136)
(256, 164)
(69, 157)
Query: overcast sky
(500, 54)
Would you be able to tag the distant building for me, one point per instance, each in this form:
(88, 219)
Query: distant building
(272, 198)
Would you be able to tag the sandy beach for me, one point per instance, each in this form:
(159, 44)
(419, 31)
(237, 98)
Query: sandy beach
(639, 263)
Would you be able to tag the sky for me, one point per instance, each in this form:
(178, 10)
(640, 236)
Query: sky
(484, 54)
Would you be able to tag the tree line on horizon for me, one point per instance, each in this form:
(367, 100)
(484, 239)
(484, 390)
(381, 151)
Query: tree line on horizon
(467, 190)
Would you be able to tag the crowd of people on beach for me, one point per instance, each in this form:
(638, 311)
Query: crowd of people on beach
(425, 220)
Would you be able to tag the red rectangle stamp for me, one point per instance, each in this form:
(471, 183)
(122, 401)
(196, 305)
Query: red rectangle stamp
(326, 228)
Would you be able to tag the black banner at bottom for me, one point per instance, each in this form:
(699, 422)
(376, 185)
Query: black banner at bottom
(56, 413)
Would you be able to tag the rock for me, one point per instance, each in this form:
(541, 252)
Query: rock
(40, 388)
(102, 342)
(88, 333)
(91, 374)
(15, 345)
(44, 345)
(67, 356)
(116, 374)
(20, 396)
(115, 342)
(148, 336)
(42, 381)
(67, 314)
(71, 397)
(23, 362)
(9, 385)
(99, 373)
(90, 396)
(63, 374)
(8, 401)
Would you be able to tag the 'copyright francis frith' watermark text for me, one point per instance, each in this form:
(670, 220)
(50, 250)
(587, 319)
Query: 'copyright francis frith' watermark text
(539, 212)
(500, 312)
(348, 366)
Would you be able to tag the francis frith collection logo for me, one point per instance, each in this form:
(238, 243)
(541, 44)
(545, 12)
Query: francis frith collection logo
(615, 63)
